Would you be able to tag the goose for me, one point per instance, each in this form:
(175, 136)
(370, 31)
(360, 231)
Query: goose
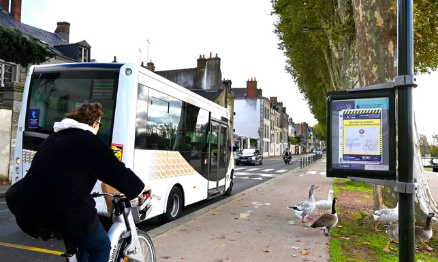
(305, 208)
(385, 215)
(392, 232)
(325, 204)
(424, 233)
(327, 221)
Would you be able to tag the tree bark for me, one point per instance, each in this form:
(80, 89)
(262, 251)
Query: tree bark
(376, 43)
(376, 36)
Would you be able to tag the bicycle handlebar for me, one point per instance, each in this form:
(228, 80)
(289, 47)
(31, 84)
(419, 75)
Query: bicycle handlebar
(98, 194)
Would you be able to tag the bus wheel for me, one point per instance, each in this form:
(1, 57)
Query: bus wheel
(174, 205)
(230, 188)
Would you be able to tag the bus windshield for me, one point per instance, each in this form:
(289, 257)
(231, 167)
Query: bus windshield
(56, 91)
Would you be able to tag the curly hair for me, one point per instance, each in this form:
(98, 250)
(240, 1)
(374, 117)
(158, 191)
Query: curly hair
(86, 113)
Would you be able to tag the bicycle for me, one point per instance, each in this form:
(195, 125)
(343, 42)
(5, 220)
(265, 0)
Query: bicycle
(127, 242)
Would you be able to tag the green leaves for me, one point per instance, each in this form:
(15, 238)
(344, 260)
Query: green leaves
(17, 49)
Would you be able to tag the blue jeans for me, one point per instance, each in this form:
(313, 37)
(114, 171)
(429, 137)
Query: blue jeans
(96, 248)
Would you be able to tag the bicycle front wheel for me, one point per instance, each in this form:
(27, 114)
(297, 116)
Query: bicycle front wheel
(147, 248)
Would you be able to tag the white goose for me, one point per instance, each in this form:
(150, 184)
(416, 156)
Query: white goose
(385, 215)
(323, 205)
(305, 208)
(392, 232)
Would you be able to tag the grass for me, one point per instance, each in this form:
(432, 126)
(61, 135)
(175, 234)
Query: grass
(354, 238)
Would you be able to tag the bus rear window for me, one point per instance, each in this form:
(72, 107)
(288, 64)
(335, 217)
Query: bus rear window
(53, 94)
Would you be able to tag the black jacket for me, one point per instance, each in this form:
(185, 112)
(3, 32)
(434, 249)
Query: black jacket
(56, 193)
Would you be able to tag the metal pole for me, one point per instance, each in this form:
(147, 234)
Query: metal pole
(405, 134)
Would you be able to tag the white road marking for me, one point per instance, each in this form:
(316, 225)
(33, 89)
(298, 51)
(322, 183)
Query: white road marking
(253, 169)
(239, 168)
(281, 171)
(242, 174)
(267, 175)
(267, 170)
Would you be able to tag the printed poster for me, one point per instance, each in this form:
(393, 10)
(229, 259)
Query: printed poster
(361, 136)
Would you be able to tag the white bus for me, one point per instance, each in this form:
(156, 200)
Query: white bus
(175, 140)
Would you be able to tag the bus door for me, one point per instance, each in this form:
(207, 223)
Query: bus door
(219, 158)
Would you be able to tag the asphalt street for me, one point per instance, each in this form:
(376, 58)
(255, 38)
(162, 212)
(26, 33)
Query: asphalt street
(17, 246)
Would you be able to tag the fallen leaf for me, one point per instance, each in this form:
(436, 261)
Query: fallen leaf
(245, 206)
(418, 35)
(366, 243)
(265, 250)
(183, 258)
(347, 238)
(296, 248)
(216, 214)
(298, 240)
(305, 252)
(294, 255)
(223, 245)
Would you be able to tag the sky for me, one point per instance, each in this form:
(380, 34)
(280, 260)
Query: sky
(174, 33)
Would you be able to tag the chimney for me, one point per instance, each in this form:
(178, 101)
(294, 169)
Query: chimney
(16, 10)
(4, 4)
(273, 100)
(115, 60)
(251, 88)
(150, 66)
(63, 30)
(202, 62)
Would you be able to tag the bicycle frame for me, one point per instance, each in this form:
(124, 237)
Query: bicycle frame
(123, 227)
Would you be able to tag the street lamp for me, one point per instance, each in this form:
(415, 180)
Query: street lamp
(306, 29)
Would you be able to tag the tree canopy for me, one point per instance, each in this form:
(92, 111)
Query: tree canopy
(320, 59)
(17, 49)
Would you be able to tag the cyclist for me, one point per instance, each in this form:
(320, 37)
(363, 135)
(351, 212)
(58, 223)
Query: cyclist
(287, 153)
(55, 196)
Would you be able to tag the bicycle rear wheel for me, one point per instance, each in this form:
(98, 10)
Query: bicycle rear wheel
(148, 249)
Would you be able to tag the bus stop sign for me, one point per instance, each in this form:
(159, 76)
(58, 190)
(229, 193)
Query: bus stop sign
(361, 134)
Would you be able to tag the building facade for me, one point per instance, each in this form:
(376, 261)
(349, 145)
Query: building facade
(260, 119)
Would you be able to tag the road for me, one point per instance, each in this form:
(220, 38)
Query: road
(17, 246)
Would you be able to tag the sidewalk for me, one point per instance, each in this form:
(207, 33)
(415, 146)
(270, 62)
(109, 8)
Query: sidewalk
(254, 225)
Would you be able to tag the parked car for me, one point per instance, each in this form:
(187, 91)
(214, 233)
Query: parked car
(249, 156)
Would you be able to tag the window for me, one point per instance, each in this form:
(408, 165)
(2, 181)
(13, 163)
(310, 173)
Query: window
(83, 54)
(266, 146)
(8, 73)
(53, 94)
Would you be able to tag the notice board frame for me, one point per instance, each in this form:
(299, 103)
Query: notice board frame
(385, 169)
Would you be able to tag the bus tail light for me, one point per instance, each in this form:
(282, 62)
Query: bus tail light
(206, 161)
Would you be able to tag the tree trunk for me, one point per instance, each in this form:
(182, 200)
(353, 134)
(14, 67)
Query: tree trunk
(376, 43)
